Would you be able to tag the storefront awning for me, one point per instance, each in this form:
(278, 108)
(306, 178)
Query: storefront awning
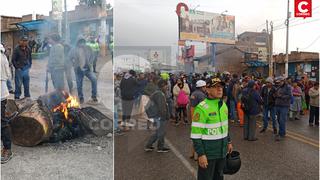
(32, 25)
(255, 63)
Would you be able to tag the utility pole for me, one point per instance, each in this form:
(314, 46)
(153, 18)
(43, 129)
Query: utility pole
(287, 42)
(66, 29)
(268, 47)
(271, 51)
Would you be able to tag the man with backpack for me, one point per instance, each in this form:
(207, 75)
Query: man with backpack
(82, 58)
(251, 102)
(160, 118)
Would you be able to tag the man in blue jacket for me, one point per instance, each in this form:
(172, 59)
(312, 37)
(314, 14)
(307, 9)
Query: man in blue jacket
(252, 102)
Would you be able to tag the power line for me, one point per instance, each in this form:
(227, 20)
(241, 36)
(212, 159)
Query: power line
(299, 19)
(298, 24)
(312, 43)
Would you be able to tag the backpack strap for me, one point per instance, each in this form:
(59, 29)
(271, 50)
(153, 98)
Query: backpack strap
(155, 92)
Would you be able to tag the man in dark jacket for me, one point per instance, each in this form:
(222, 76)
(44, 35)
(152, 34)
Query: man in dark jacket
(282, 103)
(231, 99)
(159, 99)
(267, 92)
(250, 116)
(22, 61)
(128, 87)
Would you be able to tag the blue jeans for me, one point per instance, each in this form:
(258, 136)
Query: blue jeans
(58, 79)
(9, 85)
(159, 134)
(282, 114)
(115, 117)
(232, 109)
(21, 77)
(79, 78)
(314, 115)
(267, 109)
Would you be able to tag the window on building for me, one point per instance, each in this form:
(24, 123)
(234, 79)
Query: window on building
(261, 39)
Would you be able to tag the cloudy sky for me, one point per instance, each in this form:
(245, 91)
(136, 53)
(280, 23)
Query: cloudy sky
(154, 22)
(20, 7)
(146, 22)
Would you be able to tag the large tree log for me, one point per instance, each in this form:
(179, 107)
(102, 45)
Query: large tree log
(32, 126)
(95, 122)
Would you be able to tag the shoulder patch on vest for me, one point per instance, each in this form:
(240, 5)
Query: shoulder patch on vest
(204, 105)
(196, 117)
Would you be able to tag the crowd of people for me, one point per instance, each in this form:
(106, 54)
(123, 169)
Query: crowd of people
(82, 58)
(279, 99)
(197, 99)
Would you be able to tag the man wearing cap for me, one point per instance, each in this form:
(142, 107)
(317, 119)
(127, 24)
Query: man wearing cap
(282, 97)
(196, 97)
(267, 92)
(210, 132)
(22, 61)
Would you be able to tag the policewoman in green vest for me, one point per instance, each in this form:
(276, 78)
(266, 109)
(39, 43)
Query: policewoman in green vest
(210, 133)
(96, 49)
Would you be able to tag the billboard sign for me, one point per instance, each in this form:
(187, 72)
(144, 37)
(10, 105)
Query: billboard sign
(205, 26)
(262, 53)
(57, 9)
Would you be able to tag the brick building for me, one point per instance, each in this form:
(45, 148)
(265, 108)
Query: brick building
(14, 27)
(299, 63)
(249, 54)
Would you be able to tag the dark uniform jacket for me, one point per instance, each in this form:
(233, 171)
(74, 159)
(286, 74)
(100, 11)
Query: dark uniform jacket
(21, 59)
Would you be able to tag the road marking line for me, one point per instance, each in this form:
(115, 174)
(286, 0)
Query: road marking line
(182, 158)
(298, 137)
(296, 134)
(303, 137)
(303, 140)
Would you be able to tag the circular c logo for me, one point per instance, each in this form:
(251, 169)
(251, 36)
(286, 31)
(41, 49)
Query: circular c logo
(300, 7)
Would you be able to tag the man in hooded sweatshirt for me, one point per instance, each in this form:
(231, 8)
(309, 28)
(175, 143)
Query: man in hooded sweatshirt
(128, 85)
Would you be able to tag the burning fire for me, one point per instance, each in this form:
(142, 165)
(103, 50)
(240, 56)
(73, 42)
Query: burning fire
(71, 102)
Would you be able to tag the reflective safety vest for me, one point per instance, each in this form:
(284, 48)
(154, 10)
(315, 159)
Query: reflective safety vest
(94, 46)
(210, 122)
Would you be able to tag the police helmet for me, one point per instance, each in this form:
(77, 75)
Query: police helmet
(233, 163)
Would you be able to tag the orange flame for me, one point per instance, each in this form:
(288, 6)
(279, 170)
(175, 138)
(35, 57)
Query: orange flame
(71, 102)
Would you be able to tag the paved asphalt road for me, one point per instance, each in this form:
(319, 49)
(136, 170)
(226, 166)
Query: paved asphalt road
(294, 158)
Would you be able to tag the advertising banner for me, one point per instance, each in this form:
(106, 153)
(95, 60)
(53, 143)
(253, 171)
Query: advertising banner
(57, 9)
(206, 27)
